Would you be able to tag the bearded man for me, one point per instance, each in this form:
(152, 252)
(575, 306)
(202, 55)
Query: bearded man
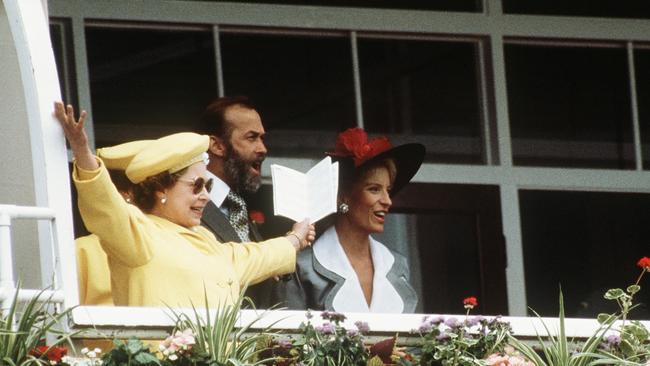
(236, 154)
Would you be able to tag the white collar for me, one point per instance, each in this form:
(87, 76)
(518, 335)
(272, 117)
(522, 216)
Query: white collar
(219, 189)
(385, 299)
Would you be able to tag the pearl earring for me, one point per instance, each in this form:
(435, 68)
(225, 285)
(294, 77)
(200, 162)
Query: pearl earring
(163, 200)
(344, 208)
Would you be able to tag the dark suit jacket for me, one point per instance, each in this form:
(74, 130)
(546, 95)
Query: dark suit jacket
(218, 223)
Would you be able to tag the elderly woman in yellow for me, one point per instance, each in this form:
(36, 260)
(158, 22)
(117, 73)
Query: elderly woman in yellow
(93, 273)
(158, 253)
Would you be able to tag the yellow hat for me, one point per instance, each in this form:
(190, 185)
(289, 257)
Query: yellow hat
(119, 156)
(168, 154)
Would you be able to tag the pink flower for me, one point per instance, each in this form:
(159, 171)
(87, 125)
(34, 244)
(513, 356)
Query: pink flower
(179, 342)
(496, 359)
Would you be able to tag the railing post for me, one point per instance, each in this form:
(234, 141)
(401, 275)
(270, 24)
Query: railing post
(7, 284)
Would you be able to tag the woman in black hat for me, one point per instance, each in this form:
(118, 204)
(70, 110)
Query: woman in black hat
(346, 270)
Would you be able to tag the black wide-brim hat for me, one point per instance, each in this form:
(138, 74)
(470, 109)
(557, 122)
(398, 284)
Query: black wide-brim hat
(407, 157)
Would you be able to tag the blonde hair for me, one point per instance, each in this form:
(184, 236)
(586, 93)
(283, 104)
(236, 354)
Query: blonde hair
(362, 172)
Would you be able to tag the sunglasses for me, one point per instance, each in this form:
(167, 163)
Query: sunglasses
(198, 184)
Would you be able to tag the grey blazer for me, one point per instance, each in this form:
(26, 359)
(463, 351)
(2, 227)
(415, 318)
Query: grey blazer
(218, 223)
(314, 287)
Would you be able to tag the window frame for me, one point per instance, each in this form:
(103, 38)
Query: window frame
(491, 25)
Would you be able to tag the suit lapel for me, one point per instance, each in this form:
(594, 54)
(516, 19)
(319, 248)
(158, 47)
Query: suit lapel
(254, 232)
(338, 280)
(218, 223)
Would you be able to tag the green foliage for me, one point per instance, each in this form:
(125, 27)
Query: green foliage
(631, 346)
(375, 361)
(219, 341)
(450, 342)
(130, 353)
(330, 344)
(557, 350)
(24, 327)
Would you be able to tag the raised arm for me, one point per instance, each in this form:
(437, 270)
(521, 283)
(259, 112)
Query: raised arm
(76, 135)
(119, 225)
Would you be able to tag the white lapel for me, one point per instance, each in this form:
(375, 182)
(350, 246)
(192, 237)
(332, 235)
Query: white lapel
(329, 252)
(385, 299)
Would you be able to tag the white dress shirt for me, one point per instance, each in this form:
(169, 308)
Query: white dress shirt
(219, 192)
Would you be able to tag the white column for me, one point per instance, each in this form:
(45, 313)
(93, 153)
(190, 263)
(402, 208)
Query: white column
(30, 48)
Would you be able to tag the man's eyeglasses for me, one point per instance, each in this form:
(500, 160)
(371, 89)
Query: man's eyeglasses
(198, 183)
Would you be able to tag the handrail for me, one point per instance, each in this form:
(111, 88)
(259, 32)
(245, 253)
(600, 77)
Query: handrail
(27, 212)
(7, 282)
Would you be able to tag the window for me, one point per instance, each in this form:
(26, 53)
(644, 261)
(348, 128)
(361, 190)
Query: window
(569, 106)
(642, 70)
(146, 83)
(583, 243)
(61, 41)
(592, 8)
(427, 76)
(428, 89)
(447, 5)
(300, 84)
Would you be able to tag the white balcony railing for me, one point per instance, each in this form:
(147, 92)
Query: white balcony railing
(8, 286)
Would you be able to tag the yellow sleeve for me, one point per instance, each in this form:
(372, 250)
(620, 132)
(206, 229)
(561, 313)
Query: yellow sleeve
(255, 262)
(121, 226)
(82, 270)
(94, 275)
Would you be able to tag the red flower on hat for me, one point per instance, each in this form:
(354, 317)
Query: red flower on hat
(354, 143)
(257, 216)
(644, 263)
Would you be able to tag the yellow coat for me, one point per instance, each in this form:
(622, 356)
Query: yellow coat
(155, 262)
(93, 274)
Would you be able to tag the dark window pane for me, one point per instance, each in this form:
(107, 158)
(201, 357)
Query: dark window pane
(426, 88)
(447, 5)
(148, 83)
(301, 85)
(456, 246)
(60, 35)
(586, 243)
(593, 8)
(642, 68)
(569, 106)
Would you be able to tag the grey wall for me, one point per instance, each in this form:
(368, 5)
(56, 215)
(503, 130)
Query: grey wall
(17, 179)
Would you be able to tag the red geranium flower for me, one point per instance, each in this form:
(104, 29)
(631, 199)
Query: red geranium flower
(38, 351)
(354, 143)
(644, 263)
(256, 216)
(54, 354)
(470, 302)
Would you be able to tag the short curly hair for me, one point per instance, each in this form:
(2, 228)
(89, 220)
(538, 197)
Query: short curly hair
(144, 193)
